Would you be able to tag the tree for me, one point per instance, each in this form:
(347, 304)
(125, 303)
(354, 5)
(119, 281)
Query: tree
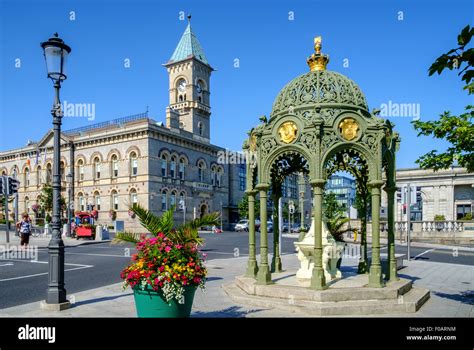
(46, 198)
(244, 207)
(457, 130)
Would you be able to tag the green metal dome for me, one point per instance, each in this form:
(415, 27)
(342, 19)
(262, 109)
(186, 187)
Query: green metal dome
(319, 87)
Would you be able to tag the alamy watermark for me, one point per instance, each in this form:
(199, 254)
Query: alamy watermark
(14, 252)
(79, 110)
(232, 157)
(404, 110)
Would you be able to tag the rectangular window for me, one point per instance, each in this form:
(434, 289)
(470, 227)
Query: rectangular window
(181, 171)
(163, 201)
(115, 200)
(115, 169)
(163, 168)
(134, 167)
(462, 210)
(242, 175)
(97, 202)
(81, 173)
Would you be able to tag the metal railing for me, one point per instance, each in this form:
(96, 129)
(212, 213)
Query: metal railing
(118, 121)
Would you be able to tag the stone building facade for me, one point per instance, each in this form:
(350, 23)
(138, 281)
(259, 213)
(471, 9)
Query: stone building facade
(449, 193)
(138, 160)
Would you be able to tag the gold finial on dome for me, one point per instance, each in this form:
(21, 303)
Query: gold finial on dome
(317, 61)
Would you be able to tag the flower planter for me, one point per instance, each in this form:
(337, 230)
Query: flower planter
(150, 303)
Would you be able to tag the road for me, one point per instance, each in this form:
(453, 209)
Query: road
(95, 265)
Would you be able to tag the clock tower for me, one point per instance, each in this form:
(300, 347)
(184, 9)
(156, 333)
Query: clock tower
(189, 87)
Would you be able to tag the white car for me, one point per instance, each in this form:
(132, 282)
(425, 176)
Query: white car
(242, 225)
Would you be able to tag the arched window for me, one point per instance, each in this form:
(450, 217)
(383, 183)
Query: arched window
(114, 200)
(219, 176)
(199, 90)
(49, 173)
(97, 167)
(164, 165)
(80, 166)
(201, 167)
(164, 200)
(173, 167)
(27, 204)
(182, 199)
(200, 128)
(173, 200)
(133, 164)
(181, 169)
(39, 178)
(133, 197)
(27, 177)
(97, 200)
(213, 176)
(114, 166)
(82, 202)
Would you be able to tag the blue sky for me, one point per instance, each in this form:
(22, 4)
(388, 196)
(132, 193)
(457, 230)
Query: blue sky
(388, 58)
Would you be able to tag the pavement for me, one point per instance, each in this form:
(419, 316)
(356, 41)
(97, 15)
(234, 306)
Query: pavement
(451, 285)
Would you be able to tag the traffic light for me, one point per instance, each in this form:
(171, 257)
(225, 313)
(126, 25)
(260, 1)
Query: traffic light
(13, 185)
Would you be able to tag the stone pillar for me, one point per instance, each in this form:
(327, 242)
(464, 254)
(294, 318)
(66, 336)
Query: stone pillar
(318, 281)
(392, 261)
(375, 274)
(252, 267)
(276, 260)
(263, 275)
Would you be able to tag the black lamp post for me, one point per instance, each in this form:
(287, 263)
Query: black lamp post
(55, 53)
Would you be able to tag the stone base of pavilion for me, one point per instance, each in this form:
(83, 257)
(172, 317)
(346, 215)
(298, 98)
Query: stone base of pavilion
(348, 296)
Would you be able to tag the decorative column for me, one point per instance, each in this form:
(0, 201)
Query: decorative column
(263, 275)
(252, 267)
(392, 261)
(301, 189)
(318, 281)
(375, 274)
(276, 260)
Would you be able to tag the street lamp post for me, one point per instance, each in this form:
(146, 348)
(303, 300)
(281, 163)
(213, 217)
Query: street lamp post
(55, 53)
(69, 199)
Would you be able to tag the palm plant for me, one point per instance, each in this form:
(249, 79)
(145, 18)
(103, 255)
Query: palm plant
(184, 234)
(335, 226)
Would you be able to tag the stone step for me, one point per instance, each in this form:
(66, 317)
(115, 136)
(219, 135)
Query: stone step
(279, 291)
(409, 303)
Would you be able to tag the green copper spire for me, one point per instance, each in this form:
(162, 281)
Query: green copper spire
(188, 47)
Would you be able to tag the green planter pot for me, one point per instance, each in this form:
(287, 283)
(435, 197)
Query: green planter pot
(150, 303)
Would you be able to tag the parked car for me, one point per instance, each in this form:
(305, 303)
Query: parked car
(297, 228)
(243, 225)
(269, 226)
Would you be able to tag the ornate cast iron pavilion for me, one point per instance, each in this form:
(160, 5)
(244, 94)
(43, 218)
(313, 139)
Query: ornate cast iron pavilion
(320, 124)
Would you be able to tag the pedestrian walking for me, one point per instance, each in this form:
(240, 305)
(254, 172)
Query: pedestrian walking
(24, 228)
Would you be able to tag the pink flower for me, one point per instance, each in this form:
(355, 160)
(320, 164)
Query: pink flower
(179, 246)
(167, 249)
